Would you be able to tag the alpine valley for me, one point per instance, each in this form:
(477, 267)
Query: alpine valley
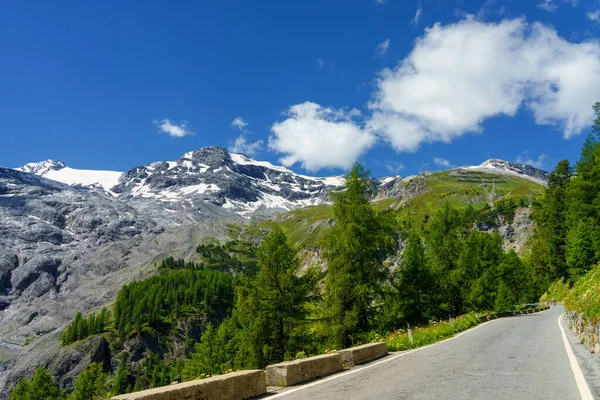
(70, 239)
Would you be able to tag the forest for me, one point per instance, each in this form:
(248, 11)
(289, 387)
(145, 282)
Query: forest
(249, 305)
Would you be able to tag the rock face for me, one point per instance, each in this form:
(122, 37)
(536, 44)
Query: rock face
(232, 181)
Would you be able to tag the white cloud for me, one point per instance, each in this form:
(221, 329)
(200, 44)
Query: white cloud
(321, 63)
(594, 16)
(548, 5)
(239, 123)
(393, 167)
(173, 130)
(381, 1)
(319, 137)
(458, 75)
(552, 5)
(442, 162)
(241, 145)
(382, 48)
(417, 17)
(540, 162)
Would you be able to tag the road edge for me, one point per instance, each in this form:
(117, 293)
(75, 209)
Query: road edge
(582, 385)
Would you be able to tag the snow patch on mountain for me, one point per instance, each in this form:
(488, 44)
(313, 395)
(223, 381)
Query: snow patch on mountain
(502, 167)
(58, 171)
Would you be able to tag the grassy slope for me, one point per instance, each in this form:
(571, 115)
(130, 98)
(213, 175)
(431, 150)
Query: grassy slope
(305, 226)
(469, 188)
(584, 297)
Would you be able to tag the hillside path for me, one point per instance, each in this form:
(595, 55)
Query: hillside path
(521, 357)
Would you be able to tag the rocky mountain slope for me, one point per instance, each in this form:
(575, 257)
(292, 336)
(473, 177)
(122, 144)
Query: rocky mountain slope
(69, 239)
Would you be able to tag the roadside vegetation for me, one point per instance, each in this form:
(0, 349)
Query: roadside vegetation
(584, 297)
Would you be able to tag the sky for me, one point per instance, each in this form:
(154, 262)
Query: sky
(400, 86)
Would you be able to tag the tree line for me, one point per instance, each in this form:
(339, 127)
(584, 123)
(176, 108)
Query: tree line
(567, 217)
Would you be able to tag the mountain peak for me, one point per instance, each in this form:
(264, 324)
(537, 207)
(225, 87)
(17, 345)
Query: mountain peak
(42, 167)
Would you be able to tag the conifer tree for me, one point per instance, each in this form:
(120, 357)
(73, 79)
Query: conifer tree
(41, 387)
(274, 306)
(353, 249)
(90, 384)
(415, 282)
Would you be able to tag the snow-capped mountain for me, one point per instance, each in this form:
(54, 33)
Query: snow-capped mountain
(502, 167)
(59, 172)
(211, 174)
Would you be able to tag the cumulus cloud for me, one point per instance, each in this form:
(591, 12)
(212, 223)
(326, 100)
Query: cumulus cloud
(239, 123)
(458, 75)
(417, 17)
(319, 137)
(241, 143)
(382, 48)
(594, 15)
(540, 162)
(442, 162)
(173, 130)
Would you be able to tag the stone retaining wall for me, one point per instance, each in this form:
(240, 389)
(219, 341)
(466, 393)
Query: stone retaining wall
(587, 330)
(489, 317)
(234, 386)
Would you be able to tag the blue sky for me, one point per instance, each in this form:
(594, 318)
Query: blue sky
(313, 84)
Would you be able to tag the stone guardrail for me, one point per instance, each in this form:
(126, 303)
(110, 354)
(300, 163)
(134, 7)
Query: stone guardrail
(233, 386)
(292, 372)
(489, 317)
(362, 354)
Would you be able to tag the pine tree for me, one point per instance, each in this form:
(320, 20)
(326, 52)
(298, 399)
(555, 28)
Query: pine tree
(90, 384)
(444, 244)
(275, 304)
(41, 387)
(550, 215)
(121, 381)
(415, 282)
(513, 275)
(504, 299)
(353, 249)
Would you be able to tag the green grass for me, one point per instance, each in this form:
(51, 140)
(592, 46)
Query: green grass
(422, 336)
(305, 227)
(470, 187)
(584, 297)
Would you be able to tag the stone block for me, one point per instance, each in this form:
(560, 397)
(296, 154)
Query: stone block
(233, 386)
(362, 354)
(297, 371)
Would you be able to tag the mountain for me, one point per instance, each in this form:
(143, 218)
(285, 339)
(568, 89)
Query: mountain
(209, 175)
(70, 239)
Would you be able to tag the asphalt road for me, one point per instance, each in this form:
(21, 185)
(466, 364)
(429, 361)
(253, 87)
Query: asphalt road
(521, 357)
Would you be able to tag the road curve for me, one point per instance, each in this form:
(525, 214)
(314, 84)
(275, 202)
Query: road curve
(521, 357)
